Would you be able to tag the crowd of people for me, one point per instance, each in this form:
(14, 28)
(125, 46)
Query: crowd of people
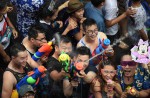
(106, 43)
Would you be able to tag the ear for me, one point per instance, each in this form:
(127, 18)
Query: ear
(32, 39)
(12, 57)
(56, 48)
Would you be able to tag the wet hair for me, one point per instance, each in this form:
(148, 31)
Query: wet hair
(83, 50)
(16, 48)
(34, 30)
(3, 4)
(88, 22)
(44, 12)
(96, 3)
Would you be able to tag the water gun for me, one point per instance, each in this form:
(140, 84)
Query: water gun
(110, 86)
(14, 94)
(131, 90)
(44, 50)
(105, 43)
(75, 68)
(64, 59)
(32, 78)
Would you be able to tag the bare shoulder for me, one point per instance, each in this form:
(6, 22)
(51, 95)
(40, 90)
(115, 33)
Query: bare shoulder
(79, 44)
(8, 76)
(102, 35)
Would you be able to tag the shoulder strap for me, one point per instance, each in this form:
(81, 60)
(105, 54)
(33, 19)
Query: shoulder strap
(14, 73)
(6, 20)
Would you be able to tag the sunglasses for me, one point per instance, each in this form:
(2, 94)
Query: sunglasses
(129, 63)
(106, 72)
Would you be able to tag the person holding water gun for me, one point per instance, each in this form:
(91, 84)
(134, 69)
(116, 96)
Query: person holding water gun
(16, 70)
(95, 41)
(86, 75)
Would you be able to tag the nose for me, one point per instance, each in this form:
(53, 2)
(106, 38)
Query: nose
(44, 41)
(127, 66)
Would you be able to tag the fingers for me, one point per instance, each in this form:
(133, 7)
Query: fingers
(15, 34)
(60, 24)
(9, 9)
(124, 95)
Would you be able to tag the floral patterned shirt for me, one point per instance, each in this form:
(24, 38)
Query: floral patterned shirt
(26, 13)
(141, 78)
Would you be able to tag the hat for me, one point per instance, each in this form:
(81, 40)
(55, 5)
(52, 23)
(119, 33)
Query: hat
(24, 89)
(74, 5)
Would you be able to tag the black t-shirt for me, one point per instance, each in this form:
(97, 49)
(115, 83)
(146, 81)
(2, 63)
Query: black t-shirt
(49, 88)
(82, 91)
(53, 64)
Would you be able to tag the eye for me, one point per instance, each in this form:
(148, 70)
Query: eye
(106, 71)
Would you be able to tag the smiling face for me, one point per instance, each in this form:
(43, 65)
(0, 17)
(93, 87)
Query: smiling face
(108, 72)
(79, 14)
(21, 58)
(128, 66)
(39, 40)
(83, 59)
(91, 32)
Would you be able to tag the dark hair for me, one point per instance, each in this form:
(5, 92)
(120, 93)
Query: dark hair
(64, 39)
(17, 47)
(102, 64)
(3, 4)
(44, 12)
(96, 3)
(136, 0)
(83, 50)
(34, 30)
(88, 22)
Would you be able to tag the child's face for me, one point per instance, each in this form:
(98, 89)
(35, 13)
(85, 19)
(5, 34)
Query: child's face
(3, 11)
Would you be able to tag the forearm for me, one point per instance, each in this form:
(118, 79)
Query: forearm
(143, 93)
(65, 31)
(112, 22)
(118, 89)
(67, 88)
(2, 52)
(143, 35)
(10, 24)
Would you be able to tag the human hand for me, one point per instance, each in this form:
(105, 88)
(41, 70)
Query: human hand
(15, 33)
(81, 21)
(81, 74)
(72, 24)
(132, 91)
(74, 83)
(64, 73)
(60, 24)
(130, 11)
(124, 95)
(9, 9)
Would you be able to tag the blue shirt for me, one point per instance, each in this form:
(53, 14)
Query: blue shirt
(96, 14)
(141, 78)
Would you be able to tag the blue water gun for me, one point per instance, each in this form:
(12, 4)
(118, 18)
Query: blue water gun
(32, 78)
(44, 50)
(105, 43)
